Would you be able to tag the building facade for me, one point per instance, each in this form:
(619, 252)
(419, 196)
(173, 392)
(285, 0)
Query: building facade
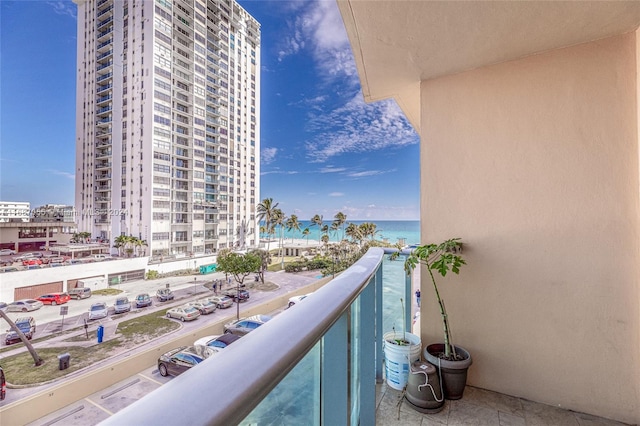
(14, 211)
(168, 123)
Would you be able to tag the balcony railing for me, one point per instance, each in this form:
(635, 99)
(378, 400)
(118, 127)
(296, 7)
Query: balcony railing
(324, 372)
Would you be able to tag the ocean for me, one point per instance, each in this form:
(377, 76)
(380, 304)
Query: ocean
(391, 230)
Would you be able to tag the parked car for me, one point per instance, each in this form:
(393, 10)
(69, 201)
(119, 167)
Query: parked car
(237, 295)
(54, 298)
(98, 310)
(245, 325)
(52, 259)
(31, 261)
(80, 293)
(7, 252)
(204, 306)
(25, 324)
(24, 305)
(183, 313)
(181, 359)
(9, 269)
(221, 301)
(121, 305)
(218, 342)
(297, 299)
(3, 385)
(143, 300)
(164, 295)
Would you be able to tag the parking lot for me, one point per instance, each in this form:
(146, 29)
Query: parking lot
(91, 409)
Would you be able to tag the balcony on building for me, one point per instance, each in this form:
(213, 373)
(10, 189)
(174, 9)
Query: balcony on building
(102, 13)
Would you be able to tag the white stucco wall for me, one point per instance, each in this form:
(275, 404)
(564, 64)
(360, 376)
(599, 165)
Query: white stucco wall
(534, 164)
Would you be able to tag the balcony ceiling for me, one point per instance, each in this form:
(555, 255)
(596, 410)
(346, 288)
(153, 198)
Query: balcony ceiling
(397, 44)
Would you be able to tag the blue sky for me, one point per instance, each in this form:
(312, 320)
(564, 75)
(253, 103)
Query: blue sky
(323, 149)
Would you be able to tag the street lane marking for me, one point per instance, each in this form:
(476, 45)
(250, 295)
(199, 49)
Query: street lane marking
(150, 379)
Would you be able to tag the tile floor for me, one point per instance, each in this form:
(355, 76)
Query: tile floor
(480, 407)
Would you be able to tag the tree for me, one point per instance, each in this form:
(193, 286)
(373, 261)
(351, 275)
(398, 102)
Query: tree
(239, 265)
(138, 243)
(120, 242)
(305, 233)
(340, 219)
(317, 220)
(265, 213)
(265, 260)
(36, 358)
(278, 220)
(353, 231)
(293, 224)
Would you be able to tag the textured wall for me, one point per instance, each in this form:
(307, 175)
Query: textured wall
(534, 163)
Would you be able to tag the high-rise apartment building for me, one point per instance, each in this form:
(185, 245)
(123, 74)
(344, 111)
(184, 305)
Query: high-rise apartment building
(168, 123)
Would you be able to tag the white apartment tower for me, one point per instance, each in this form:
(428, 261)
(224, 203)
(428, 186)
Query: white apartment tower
(168, 123)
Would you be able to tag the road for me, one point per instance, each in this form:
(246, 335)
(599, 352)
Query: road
(49, 321)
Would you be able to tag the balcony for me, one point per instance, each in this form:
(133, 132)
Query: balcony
(106, 12)
(103, 165)
(104, 77)
(104, 34)
(104, 45)
(104, 55)
(105, 22)
(100, 89)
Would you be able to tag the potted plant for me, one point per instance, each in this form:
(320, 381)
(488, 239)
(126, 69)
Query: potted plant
(452, 361)
(401, 349)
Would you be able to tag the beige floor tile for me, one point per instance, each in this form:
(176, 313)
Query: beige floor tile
(465, 413)
(589, 420)
(507, 419)
(545, 415)
(498, 401)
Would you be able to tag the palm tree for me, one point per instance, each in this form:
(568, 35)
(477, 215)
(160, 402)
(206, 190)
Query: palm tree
(368, 229)
(265, 212)
(120, 242)
(340, 219)
(317, 220)
(354, 232)
(278, 220)
(335, 226)
(143, 243)
(305, 233)
(293, 224)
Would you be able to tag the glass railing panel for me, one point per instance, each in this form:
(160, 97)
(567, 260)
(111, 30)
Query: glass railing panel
(296, 399)
(356, 361)
(393, 288)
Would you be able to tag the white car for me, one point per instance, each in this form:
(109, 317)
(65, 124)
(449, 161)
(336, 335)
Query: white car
(98, 310)
(24, 305)
(7, 252)
(297, 299)
(218, 341)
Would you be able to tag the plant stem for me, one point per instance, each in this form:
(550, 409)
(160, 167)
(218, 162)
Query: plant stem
(443, 313)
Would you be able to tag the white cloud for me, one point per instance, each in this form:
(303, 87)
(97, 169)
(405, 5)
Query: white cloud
(359, 127)
(367, 173)
(279, 172)
(336, 194)
(63, 8)
(330, 169)
(60, 173)
(268, 155)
